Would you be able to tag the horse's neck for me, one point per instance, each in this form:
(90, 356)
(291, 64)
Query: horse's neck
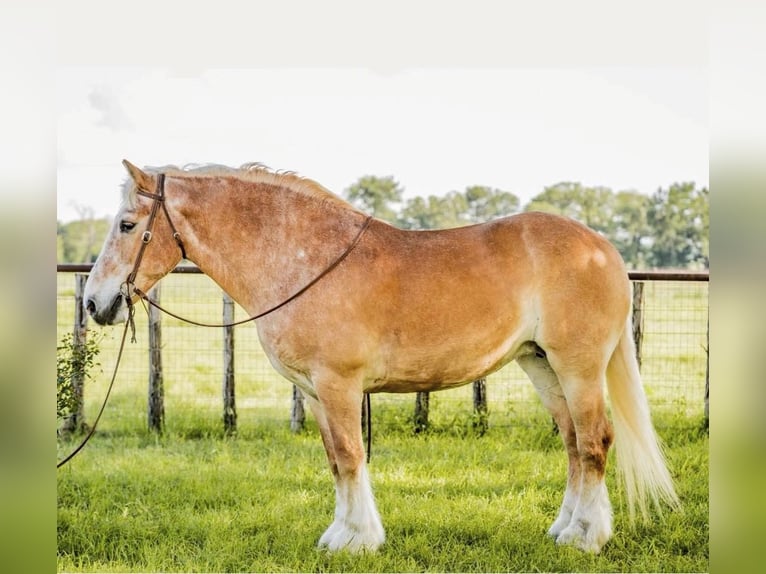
(263, 245)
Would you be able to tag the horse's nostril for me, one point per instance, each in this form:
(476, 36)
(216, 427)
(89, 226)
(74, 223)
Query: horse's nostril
(90, 306)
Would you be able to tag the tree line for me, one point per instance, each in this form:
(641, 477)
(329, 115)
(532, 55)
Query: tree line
(668, 229)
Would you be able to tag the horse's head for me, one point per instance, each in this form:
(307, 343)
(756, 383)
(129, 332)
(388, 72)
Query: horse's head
(108, 285)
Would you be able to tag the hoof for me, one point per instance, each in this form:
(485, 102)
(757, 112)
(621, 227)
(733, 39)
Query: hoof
(560, 524)
(341, 537)
(584, 536)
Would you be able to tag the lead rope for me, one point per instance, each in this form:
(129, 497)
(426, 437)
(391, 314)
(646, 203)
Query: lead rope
(292, 297)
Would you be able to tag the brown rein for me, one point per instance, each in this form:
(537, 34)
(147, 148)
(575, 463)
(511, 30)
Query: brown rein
(292, 297)
(159, 199)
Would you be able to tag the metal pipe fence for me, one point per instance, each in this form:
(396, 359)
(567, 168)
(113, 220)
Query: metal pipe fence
(198, 380)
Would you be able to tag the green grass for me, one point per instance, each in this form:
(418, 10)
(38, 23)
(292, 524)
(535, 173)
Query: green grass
(194, 500)
(450, 501)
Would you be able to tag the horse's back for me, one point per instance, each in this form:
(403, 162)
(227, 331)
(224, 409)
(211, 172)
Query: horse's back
(517, 250)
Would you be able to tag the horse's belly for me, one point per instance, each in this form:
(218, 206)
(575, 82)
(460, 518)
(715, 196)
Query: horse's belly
(451, 366)
(411, 386)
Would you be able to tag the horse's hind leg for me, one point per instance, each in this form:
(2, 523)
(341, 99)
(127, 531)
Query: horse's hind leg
(546, 383)
(590, 526)
(357, 524)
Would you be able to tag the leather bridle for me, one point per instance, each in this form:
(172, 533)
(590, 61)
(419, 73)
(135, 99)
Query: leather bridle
(159, 200)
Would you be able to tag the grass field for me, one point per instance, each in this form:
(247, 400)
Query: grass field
(193, 500)
(201, 502)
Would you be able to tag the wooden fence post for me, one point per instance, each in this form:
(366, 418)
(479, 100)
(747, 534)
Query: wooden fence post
(229, 401)
(156, 395)
(421, 411)
(75, 422)
(297, 412)
(365, 415)
(638, 318)
(480, 422)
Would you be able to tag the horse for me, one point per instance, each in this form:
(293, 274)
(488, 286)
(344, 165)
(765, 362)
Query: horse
(349, 304)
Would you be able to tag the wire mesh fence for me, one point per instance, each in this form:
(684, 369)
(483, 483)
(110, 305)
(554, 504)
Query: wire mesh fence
(674, 364)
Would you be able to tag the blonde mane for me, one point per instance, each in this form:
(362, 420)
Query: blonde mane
(254, 172)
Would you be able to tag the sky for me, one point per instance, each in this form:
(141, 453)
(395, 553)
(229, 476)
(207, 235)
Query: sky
(434, 130)
(439, 95)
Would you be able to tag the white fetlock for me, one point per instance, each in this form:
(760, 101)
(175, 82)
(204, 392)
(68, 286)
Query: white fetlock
(351, 539)
(330, 533)
(357, 524)
(561, 522)
(591, 527)
(565, 512)
(588, 538)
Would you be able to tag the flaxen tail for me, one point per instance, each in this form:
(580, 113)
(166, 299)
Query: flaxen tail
(640, 460)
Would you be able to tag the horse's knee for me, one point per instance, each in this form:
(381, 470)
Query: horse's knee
(348, 453)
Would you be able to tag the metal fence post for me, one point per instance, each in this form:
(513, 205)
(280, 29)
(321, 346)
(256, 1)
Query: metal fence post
(229, 401)
(156, 395)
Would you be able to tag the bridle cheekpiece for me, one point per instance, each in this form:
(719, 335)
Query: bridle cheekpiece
(158, 198)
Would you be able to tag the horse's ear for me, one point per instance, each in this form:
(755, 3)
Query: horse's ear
(143, 181)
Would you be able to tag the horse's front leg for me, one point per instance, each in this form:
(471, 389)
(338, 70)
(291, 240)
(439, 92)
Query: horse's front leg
(357, 524)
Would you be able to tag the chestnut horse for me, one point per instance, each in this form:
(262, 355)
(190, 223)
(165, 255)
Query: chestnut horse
(382, 309)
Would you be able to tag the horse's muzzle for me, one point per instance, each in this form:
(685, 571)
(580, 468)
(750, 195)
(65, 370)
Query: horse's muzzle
(109, 315)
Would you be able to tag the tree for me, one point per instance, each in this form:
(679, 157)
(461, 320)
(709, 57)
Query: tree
(485, 203)
(421, 213)
(59, 242)
(631, 233)
(593, 206)
(680, 223)
(449, 210)
(376, 196)
(475, 205)
(80, 241)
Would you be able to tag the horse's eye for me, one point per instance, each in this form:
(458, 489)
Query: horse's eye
(126, 226)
